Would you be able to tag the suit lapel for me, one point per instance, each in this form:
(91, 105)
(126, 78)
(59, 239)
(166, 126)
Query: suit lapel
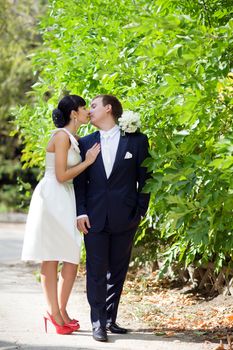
(99, 160)
(121, 150)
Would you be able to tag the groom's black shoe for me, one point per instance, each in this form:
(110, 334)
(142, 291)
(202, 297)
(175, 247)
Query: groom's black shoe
(100, 334)
(114, 328)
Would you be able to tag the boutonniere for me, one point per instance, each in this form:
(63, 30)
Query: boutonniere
(129, 122)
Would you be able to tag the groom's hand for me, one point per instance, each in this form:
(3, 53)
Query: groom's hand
(83, 224)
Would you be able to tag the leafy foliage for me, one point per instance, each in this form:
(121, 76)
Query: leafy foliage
(18, 38)
(170, 61)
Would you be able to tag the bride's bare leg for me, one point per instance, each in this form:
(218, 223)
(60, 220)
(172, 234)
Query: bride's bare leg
(49, 286)
(65, 284)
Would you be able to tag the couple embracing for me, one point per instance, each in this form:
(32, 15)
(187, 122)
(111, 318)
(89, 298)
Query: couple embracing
(97, 183)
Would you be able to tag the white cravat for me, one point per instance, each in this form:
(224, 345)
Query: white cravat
(109, 142)
(105, 147)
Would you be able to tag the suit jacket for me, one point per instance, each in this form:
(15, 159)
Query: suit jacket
(117, 198)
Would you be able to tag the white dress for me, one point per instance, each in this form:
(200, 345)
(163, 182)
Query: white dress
(51, 232)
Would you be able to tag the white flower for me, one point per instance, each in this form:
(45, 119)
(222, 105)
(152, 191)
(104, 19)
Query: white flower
(129, 121)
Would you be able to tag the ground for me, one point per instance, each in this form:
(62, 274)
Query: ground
(161, 316)
(169, 311)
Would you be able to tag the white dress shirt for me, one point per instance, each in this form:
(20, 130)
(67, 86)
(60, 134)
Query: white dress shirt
(109, 141)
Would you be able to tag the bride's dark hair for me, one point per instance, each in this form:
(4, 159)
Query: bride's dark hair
(69, 103)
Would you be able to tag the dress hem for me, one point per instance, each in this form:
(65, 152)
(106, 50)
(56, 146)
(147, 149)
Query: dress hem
(39, 260)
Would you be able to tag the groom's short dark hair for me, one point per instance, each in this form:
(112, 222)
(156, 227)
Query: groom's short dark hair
(117, 109)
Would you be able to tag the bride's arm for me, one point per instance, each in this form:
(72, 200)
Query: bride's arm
(62, 145)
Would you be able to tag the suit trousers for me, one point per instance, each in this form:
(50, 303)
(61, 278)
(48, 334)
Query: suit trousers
(108, 255)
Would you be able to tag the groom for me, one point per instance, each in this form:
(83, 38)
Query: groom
(110, 206)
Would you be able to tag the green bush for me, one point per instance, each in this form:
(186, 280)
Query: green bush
(18, 40)
(170, 61)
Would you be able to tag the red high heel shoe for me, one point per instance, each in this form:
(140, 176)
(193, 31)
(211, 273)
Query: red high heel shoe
(59, 329)
(73, 324)
(74, 321)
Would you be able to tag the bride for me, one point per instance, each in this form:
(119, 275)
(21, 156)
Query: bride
(51, 235)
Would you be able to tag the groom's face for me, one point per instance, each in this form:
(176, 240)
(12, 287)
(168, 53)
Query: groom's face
(98, 112)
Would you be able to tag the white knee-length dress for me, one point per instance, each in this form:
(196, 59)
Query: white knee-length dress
(51, 233)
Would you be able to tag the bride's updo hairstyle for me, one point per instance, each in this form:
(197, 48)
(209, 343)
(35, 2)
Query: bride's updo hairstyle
(69, 103)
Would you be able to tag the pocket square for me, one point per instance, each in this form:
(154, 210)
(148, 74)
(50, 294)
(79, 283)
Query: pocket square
(128, 155)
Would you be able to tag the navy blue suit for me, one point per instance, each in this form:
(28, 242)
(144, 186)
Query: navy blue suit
(114, 206)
